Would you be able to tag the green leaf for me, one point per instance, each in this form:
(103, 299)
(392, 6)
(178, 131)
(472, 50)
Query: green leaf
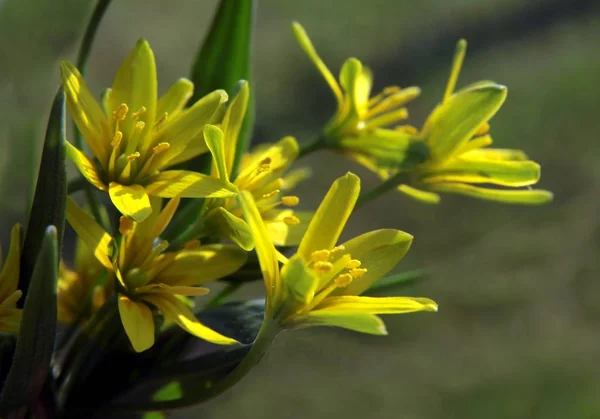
(35, 344)
(174, 370)
(396, 281)
(50, 193)
(225, 58)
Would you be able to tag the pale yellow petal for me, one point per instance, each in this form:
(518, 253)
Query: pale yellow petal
(186, 184)
(299, 280)
(221, 223)
(232, 122)
(138, 323)
(175, 290)
(376, 305)
(420, 195)
(215, 140)
(165, 217)
(132, 201)
(328, 222)
(283, 234)
(175, 98)
(525, 197)
(94, 236)
(86, 167)
(358, 322)
(175, 310)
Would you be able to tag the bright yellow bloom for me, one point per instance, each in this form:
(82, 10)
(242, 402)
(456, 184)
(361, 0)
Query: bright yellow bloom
(358, 124)
(456, 136)
(81, 290)
(138, 136)
(262, 173)
(10, 315)
(321, 283)
(147, 277)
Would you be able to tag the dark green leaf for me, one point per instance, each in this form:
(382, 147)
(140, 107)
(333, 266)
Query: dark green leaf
(396, 281)
(35, 343)
(225, 58)
(174, 368)
(50, 193)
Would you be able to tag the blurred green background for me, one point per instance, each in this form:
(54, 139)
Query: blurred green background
(518, 331)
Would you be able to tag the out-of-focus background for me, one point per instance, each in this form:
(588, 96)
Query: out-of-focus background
(518, 331)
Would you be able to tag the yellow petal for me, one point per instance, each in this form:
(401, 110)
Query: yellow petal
(309, 49)
(281, 156)
(379, 251)
(453, 123)
(175, 290)
(9, 276)
(350, 80)
(331, 216)
(86, 166)
(184, 132)
(175, 98)
(359, 322)
(175, 310)
(204, 264)
(376, 305)
(94, 236)
(132, 201)
(138, 323)
(299, 280)
(214, 138)
(388, 147)
(422, 196)
(505, 173)
(223, 224)
(86, 112)
(186, 184)
(135, 85)
(264, 249)
(525, 197)
(473, 145)
(232, 122)
(165, 217)
(499, 154)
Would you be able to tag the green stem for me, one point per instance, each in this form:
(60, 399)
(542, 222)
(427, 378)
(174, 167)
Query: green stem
(222, 295)
(383, 187)
(77, 184)
(310, 146)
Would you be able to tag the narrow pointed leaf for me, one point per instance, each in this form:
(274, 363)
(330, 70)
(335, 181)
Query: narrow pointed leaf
(50, 193)
(31, 362)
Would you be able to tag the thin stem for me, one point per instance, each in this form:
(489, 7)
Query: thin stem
(222, 295)
(77, 184)
(383, 187)
(310, 146)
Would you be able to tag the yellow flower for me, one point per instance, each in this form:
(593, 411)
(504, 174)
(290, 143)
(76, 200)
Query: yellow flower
(81, 291)
(262, 173)
(10, 315)
(147, 277)
(456, 137)
(359, 121)
(138, 136)
(321, 283)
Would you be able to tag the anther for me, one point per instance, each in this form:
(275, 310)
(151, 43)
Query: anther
(291, 220)
(391, 90)
(192, 244)
(358, 272)
(483, 129)
(133, 156)
(160, 147)
(320, 255)
(125, 225)
(140, 125)
(117, 139)
(353, 264)
(137, 114)
(337, 250)
(263, 168)
(121, 112)
(343, 280)
(290, 201)
(271, 194)
(161, 120)
(322, 266)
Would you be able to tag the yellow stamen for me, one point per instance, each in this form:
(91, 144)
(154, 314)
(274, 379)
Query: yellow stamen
(125, 225)
(386, 119)
(353, 264)
(161, 120)
(322, 266)
(358, 272)
(133, 156)
(137, 114)
(121, 112)
(291, 220)
(192, 244)
(271, 194)
(161, 147)
(290, 201)
(320, 255)
(337, 250)
(343, 280)
(117, 139)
